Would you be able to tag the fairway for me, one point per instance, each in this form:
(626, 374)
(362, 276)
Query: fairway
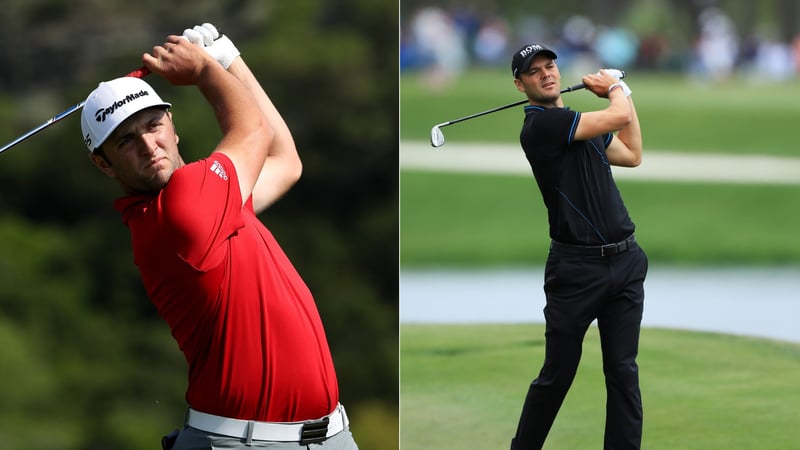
(462, 387)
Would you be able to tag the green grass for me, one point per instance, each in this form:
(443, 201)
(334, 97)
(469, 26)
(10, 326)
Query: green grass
(676, 114)
(462, 386)
(482, 220)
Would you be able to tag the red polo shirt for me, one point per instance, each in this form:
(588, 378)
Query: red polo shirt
(244, 319)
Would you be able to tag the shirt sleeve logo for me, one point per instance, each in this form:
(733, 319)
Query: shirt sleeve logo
(218, 169)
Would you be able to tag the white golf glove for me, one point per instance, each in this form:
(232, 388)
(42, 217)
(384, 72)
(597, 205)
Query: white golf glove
(220, 47)
(616, 73)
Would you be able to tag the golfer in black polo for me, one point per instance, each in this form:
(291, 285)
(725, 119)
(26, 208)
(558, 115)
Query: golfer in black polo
(595, 269)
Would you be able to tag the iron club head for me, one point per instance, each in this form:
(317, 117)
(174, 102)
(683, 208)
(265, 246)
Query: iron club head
(437, 138)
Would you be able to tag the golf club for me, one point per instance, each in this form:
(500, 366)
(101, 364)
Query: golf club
(138, 73)
(437, 137)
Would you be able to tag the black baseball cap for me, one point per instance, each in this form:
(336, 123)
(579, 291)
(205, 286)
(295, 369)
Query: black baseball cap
(524, 56)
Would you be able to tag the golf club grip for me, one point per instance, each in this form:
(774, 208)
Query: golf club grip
(139, 73)
(574, 88)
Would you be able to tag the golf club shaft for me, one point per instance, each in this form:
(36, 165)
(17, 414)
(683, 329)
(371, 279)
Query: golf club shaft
(437, 137)
(138, 73)
(510, 105)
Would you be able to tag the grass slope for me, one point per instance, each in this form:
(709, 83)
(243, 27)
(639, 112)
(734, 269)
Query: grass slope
(481, 220)
(462, 386)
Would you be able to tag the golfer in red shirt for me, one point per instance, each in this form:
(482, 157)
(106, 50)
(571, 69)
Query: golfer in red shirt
(260, 370)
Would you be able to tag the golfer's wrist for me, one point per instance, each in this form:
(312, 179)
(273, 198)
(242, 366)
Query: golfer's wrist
(622, 85)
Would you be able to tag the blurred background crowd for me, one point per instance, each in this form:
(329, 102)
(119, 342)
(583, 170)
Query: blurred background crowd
(707, 39)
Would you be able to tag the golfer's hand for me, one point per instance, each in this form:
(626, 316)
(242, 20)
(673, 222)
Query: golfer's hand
(177, 60)
(599, 82)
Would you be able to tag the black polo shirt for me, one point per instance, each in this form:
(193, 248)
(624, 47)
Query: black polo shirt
(583, 203)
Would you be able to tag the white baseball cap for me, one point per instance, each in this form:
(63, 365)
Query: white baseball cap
(113, 102)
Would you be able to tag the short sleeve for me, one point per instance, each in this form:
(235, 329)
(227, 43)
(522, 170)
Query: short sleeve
(201, 207)
(548, 131)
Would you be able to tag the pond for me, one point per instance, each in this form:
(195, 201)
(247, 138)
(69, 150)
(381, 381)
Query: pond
(760, 302)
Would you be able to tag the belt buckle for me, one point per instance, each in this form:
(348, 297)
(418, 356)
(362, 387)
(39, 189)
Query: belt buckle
(314, 431)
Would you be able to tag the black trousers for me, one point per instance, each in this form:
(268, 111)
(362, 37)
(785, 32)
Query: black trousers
(578, 290)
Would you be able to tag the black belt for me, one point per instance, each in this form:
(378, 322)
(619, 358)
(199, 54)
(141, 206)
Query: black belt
(594, 250)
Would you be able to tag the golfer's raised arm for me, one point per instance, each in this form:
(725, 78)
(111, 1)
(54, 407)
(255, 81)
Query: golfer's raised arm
(620, 116)
(246, 133)
(282, 167)
(626, 147)
(616, 116)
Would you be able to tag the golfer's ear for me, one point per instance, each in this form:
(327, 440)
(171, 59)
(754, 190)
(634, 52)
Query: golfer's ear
(101, 164)
(177, 138)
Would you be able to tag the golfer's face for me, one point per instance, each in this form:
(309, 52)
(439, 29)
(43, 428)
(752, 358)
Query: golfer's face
(542, 81)
(143, 151)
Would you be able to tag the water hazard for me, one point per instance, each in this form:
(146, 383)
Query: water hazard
(761, 302)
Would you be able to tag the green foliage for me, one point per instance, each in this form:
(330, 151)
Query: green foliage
(91, 361)
(700, 390)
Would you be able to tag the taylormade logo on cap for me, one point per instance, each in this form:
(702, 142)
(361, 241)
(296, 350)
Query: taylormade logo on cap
(101, 113)
(111, 104)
